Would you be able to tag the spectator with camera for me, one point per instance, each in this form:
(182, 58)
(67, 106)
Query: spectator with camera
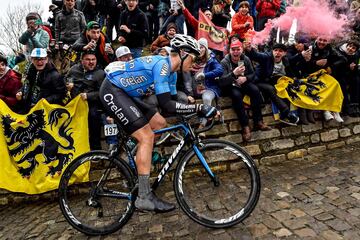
(324, 56)
(238, 80)
(34, 36)
(92, 39)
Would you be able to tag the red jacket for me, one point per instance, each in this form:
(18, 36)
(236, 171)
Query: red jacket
(237, 24)
(10, 83)
(192, 21)
(267, 8)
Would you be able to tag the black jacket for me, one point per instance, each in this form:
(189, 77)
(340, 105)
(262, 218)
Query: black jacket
(334, 59)
(228, 77)
(137, 22)
(298, 63)
(49, 83)
(265, 67)
(86, 82)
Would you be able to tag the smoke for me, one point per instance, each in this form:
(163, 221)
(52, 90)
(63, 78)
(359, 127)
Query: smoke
(314, 18)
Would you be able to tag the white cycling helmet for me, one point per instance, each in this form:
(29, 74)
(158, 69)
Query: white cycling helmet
(186, 43)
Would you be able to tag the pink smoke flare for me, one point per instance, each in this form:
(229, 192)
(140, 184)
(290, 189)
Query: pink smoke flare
(314, 18)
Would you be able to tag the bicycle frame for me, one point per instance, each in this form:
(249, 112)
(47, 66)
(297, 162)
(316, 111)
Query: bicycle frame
(189, 135)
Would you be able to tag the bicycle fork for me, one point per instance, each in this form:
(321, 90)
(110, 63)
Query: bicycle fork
(213, 177)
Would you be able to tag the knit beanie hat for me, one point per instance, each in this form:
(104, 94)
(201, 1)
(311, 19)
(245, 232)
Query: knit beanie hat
(203, 42)
(171, 25)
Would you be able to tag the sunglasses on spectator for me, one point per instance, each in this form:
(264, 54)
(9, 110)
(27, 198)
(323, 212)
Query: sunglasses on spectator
(40, 59)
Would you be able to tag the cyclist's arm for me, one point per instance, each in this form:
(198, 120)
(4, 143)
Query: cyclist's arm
(168, 104)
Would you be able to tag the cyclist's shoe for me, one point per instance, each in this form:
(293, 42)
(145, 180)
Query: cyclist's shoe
(152, 203)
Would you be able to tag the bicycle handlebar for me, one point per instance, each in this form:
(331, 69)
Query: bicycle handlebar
(185, 118)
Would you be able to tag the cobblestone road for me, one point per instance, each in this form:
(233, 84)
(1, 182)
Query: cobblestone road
(317, 197)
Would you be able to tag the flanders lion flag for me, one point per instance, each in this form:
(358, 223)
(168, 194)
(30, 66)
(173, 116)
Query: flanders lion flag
(319, 91)
(36, 147)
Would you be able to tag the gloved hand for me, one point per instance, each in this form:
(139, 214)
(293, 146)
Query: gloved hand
(206, 110)
(200, 76)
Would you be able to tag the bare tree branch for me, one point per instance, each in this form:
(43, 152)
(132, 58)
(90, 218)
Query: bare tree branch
(13, 24)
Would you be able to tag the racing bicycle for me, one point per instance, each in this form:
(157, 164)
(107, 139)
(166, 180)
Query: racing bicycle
(216, 182)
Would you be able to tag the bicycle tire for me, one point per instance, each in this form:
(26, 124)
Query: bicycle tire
(232, 200)
(107, 214)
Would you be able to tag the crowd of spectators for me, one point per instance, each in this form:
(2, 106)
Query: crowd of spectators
(81, 32)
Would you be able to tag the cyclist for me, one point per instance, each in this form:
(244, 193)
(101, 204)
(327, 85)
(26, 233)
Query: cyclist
(121, 92)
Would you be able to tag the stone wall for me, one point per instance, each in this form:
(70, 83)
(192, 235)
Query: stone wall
(282, 143)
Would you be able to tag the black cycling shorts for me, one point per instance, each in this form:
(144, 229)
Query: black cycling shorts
(131, 113)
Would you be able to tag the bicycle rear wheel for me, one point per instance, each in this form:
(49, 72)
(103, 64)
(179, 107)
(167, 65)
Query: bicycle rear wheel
(227, 200)
(105, 202)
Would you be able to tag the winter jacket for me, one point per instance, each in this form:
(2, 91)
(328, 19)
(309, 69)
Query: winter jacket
(49, 83)
(213, 70)
(103, 59)
(40, 39)
(334, 59)
(137, 22)
(86, 82)
(347, 60)
(10, 83)
(267, 8)
(237, 24)
(69, 26)
(265, 67)
(298, 62)
(160, 41)
(228, 77)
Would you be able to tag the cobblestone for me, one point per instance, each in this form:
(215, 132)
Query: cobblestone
(315, 197)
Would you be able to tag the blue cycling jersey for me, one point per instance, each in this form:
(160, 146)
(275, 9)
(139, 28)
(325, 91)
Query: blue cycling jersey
(143, 76)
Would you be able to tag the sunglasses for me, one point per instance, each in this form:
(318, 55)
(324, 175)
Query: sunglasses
(40, 59)
(193, 56)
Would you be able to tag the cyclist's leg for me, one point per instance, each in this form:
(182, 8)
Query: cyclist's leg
(145, 139)
(122, 108)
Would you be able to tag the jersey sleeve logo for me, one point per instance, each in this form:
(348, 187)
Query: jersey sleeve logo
(164, 70)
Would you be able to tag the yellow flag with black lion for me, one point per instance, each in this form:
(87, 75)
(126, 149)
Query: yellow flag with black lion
(37, 147)
(319, 91)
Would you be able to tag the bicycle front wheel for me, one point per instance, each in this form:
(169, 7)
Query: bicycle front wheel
(224, 199)
(104, 202)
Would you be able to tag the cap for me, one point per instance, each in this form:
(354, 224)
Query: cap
(236, 44)
(38, 53)
(121, 51)
(279, 46)
(203, 42)
(92, 25)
